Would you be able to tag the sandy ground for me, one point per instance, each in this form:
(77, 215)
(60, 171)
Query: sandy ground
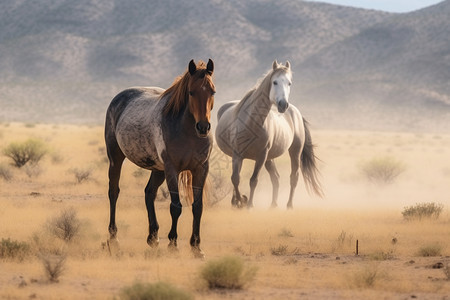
(307, 253)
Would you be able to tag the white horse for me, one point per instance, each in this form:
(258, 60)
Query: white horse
(261, 127)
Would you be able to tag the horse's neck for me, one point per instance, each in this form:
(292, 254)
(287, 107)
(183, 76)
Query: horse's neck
(256, 109)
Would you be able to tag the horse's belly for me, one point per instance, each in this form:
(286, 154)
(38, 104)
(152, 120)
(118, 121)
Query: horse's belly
(281, 138)
(141, 142)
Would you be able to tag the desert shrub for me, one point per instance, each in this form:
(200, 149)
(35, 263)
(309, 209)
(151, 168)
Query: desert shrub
(32, 150)
(66, 225)
(13, 249)
(5, 172)
(33, 170)
(382, 170)
(280, 250)
(54, 265)
(227, 273)
(430, 250)
(285, 233)
(154, 291)
(367, 277)
(81, 174)
(423, 211)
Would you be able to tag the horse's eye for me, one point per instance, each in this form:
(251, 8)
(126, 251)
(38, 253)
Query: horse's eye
(289, 84)
(275, 83)
(213, 93)
(191, 93)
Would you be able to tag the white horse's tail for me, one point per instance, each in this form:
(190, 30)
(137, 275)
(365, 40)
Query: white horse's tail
(309, 165)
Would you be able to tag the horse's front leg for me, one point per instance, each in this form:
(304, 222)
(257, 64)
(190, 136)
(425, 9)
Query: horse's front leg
(175, 205)
(237, 200)
(151, 190)
(259, 162)
(198, 182)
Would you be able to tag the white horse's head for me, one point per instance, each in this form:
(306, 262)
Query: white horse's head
(281, 86)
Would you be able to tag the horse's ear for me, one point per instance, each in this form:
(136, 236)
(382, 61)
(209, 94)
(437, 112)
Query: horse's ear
(192, 67)
(275, 64)
(288, 64)
(210, 67)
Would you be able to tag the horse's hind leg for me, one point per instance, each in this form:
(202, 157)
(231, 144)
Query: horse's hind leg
(294, 153)
(151, 190)
(275, 178)
(116, 158)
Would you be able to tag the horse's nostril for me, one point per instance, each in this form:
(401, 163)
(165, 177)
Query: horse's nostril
(208, 126)
(197, 126)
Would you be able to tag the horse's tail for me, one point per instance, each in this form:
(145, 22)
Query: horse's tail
(185, 187)
(309, 165)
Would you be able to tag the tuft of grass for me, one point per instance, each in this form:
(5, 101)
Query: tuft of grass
(285, 233)
(430, 250)
(227, 273)
(382, 255)
(83, 174)
(280, 250)
(13, 249)
(421, 211)
(367, 277)
(153, 291)
(66, 225)
(382, 170)
(54, 265)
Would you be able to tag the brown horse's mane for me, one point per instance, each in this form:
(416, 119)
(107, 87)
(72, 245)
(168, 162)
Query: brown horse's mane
(178, 93)
(262, 87)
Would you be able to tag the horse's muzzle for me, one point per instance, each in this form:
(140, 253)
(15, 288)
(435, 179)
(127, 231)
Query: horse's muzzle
(282, 106)
(203, 128)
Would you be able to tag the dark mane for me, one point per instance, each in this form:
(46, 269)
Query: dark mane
(178, 93)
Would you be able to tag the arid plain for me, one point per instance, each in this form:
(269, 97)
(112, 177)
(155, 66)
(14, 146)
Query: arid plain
(307, 252)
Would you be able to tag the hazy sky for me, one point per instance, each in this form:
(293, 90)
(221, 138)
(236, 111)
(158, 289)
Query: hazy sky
(385, 5)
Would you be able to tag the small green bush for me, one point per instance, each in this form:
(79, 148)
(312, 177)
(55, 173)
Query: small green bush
(32, 150)
(423, 211)
(227, 273)
(155, 291)
(382, 170)
(13, 249)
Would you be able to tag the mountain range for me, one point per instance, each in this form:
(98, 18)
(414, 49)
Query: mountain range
(63, 61)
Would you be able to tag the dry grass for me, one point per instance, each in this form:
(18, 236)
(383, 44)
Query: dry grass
(318, 235)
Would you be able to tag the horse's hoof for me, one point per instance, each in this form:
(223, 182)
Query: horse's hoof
(244, 200)
(273, 206)
(153, 241)
(198, 253)
(172, 246)
(290, 207)
(113, 246)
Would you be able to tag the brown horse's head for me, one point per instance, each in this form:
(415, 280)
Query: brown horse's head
(201, 95)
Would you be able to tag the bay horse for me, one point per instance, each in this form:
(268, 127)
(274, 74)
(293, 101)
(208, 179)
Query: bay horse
(263, 126)
(167, 132)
